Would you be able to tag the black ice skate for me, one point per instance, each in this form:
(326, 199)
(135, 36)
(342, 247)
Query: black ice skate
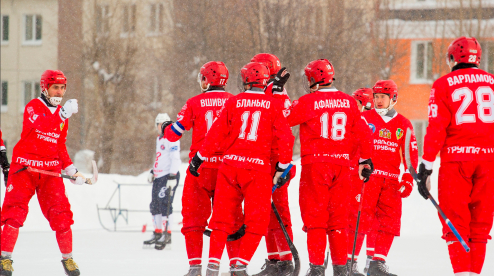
(161, 243)
(6, 266)
(238, 270)
(156, 236)
(194, 270)
(168, 237)
(70, 267)
(269, 268)
(353, 269)
(316, 270)
(340, 270)
(285, 268)
(213, 269)
(379, 268)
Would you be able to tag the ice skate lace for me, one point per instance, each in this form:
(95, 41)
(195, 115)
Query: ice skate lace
(7, 265)
(383, 267)
(71, 265)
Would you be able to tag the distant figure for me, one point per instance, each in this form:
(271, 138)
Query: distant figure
(165, 168)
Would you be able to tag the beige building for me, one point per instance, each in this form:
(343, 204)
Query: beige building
(29, 45)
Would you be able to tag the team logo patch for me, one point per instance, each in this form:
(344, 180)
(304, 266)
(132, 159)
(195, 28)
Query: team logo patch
(162, 147)
(399, 133)
(10, 188)
(372, 127)
(384, 133)
(174, 148)
(61, 126)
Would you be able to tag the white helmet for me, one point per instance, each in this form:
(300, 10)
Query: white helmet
(161, 118)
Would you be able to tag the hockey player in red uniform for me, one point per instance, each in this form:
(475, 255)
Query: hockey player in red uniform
(279, 260)
(330, 122)
(364, 98)
(42, 145)
(461, 127)
(198, 114)
(384, 192)
(4, 161)
(246, 128)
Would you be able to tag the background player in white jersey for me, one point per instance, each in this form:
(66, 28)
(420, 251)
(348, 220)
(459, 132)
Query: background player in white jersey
(165, 168)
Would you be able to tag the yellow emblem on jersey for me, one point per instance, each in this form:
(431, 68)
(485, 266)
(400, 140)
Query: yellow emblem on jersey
(61, 126)
(384, 133)
(399, 133)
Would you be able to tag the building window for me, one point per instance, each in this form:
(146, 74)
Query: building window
(422, 56)
(156, 19)
(487, 59)
(102, 19)
(32, 29)
(5, 95)
(129, 19)
(31, 90)
(5, 29)
(420, 128)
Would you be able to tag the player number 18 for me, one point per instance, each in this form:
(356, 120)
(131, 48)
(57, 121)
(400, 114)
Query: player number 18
(338, 123)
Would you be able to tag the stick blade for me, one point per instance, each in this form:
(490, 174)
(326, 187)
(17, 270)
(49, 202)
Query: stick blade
(93, 179)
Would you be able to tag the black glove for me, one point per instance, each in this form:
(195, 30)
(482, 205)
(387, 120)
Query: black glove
(280, 80)
(194, 165)
(422, 181)
(4, 162)
(164, 126)
(366, 172)
(277, 179)
(171, 176)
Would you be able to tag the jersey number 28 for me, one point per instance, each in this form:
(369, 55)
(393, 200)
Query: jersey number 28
(485, 104)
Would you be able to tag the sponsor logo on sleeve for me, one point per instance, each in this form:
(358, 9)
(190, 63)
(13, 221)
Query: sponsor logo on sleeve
(372, 127)
(174, 148)
(399, 133)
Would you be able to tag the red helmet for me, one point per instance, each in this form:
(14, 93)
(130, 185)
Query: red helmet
(255, 74)
(270, 60)
(365, 96)
(465, 50)
(319, 71)
(214, 73)
(50, 77)
(386, 87)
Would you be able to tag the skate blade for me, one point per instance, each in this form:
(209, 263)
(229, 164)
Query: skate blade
(148, 246)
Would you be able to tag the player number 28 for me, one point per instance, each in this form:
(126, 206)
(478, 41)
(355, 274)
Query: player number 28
(338, 123)
(485, 104)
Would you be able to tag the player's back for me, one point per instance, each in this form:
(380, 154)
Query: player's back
(468, 95)
(327, 120)
(253, 120)
(204, 109)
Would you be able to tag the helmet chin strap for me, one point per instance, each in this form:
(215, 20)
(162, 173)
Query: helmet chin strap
(54, 101)
(384, 111)
(204, 90)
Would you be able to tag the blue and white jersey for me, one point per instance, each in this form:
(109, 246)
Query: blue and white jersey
(167, 157)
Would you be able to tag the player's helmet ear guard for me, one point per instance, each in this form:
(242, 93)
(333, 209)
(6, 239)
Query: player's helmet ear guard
(214, 73)
(365, 96)
(271, 61)
(464, 50)
(319, 72)
(255, 74)
(48, 78)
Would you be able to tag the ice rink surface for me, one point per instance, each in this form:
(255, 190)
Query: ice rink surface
(98, 252)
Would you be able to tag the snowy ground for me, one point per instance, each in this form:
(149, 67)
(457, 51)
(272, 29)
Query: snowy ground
(419, 251)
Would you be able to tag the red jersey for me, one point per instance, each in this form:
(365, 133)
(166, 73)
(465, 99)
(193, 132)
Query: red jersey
(199, 113)
(2, 145)
(245, 130)
(389, 139)
(461, 117)
(285, 99)
(330, 123)
(43, 137)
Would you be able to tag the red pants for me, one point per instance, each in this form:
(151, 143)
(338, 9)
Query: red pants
(197, 198)
(21, 187)
(381, 201)
(466, 195)
(324, 204)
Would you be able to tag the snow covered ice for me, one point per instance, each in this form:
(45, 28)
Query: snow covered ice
(419, 250)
